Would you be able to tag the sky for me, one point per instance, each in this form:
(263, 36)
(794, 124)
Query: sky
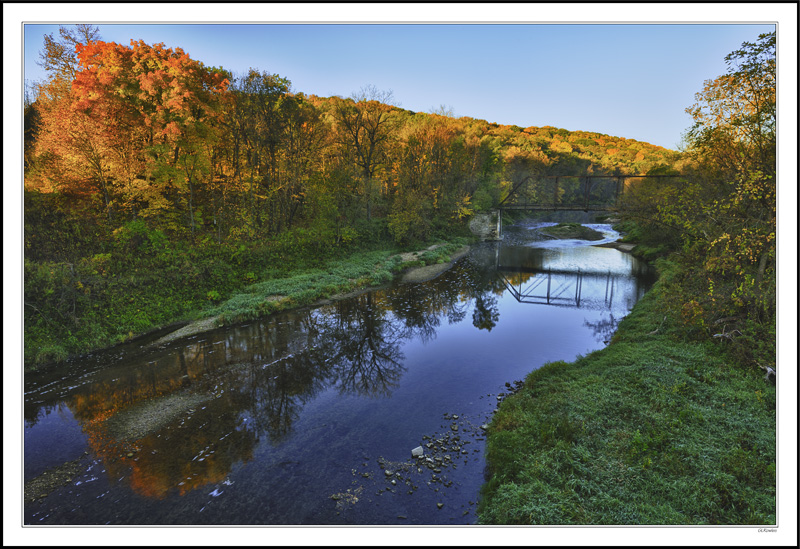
(625, 80)
(625, 69)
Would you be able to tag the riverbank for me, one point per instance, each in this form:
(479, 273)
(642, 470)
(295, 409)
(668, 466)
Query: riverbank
(333, 281)
(417, 266)
(336, 280)
(653, 429)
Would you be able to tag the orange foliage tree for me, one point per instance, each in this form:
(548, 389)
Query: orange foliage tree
(135, 126)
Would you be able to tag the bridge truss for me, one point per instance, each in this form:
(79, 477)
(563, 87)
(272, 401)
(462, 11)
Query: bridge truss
(571, 192)
(559, 288)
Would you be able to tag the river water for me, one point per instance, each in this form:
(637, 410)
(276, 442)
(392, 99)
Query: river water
(309, 417)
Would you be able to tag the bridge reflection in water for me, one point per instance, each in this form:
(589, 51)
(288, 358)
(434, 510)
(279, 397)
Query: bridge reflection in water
(532, 277)
(557, 288)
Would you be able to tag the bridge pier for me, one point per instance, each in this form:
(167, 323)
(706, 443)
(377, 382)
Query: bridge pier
(487, 225)
(499, 214)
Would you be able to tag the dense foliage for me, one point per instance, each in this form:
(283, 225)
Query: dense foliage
(721, 216)
(155, 185)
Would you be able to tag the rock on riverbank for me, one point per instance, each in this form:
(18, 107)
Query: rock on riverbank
(621, 246)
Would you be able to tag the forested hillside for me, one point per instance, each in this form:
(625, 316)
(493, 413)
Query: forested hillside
(144, 132)
(155, 184)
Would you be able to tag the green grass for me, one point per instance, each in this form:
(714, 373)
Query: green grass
(335, 277)
(307, 286)
(651, 430)
(108, 298)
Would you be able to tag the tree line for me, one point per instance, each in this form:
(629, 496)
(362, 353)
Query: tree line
(143, 133)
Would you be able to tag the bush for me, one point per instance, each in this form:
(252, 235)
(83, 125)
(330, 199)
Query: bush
(410, 219)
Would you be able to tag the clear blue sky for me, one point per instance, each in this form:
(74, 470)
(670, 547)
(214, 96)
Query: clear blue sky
(627, 80)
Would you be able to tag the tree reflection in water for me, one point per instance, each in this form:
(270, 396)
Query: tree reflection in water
(486, 313)
(250, 382)
(604, 328)
(253, 382)
(363, 345)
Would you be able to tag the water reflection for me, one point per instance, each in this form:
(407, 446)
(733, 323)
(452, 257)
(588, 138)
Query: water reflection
(363, 344)
(486, 314)
(173, 419)
(181, 418)
(577, 277)
(604, 328)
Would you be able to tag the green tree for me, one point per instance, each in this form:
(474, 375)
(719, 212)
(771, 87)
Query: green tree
(725, 209)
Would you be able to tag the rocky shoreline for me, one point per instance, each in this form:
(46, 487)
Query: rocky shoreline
(431, 464)
(52, 479)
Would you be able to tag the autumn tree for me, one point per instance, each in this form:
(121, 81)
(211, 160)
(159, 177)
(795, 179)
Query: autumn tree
(260, 99)
(733, 139)
(59, 57)
(306, 138)
(152, 109)
(364, 127)
(59, 61)
(274, 138)
(428, 177)
(47, 103)
(735, 116)
(724, 209)
(31, 123)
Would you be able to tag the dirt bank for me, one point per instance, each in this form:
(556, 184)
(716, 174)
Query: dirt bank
(429, 272)
(621, 246)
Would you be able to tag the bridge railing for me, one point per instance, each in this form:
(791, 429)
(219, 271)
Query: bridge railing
(571, 192)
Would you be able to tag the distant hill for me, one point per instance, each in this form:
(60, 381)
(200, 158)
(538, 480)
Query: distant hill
(552, 150)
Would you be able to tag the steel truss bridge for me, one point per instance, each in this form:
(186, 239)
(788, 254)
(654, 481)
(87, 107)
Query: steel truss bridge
(571, 192)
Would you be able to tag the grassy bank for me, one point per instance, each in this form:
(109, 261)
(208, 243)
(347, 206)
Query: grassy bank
(360, 270)
(142, 282)
(653, 429)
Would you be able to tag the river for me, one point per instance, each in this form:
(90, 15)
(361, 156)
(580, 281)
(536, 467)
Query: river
(309, 417)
